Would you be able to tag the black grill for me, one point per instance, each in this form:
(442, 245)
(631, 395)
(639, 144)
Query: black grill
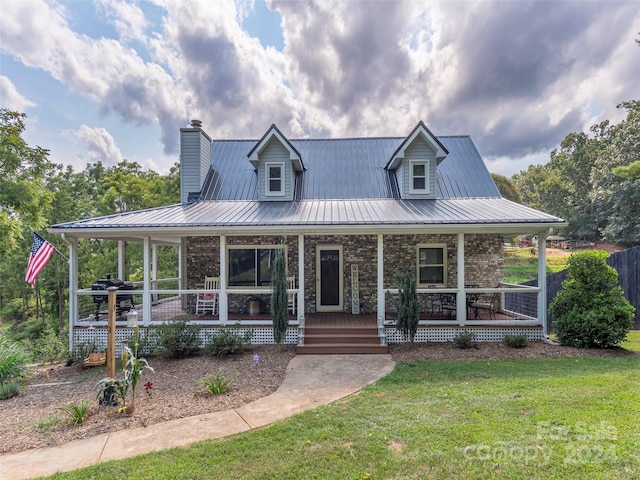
(121, 300)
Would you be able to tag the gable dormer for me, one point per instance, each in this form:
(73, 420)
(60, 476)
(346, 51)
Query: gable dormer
(277, 164)
(414, 164)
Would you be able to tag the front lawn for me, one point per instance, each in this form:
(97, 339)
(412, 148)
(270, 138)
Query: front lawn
(521, 265)
(571, 418)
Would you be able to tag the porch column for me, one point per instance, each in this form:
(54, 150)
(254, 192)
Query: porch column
(380, 287)
(223, 313)
(180, 265)
(146, 295)
(121, 270)
(154, 269)
(461, 299)
(542, 282)
(300, 306)
(73, 287)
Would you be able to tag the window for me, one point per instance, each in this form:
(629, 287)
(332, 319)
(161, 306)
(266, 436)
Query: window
(250, 266)
(419, 170)
(432, 264)
(275, 179)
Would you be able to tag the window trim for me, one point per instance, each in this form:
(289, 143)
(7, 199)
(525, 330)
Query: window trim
(442, 246)
(267, 189)
(427, 176)
(252, 247)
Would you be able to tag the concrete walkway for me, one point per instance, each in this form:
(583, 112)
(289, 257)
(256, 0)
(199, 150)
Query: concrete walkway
(310, 381)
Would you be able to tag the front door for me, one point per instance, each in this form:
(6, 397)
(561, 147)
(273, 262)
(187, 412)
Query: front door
(329, 278)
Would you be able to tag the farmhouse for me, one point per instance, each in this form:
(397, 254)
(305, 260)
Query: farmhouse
(350, 214)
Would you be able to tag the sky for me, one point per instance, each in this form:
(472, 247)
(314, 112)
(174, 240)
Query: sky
(107, 80)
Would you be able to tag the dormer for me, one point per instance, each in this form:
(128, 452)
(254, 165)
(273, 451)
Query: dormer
(277, 164)
(414, 164)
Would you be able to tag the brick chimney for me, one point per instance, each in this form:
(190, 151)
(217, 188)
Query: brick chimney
(195, 159)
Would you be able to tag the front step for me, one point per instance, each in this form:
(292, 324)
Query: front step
(327, 349)
(336, 339)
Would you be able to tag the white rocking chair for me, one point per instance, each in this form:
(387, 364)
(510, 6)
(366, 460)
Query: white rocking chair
(208, 301)
(292, 296)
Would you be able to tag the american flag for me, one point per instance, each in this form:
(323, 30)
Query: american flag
(41, 252)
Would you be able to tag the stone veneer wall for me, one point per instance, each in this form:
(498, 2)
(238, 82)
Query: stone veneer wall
(483, 265)
(361, 250)
(203, 259)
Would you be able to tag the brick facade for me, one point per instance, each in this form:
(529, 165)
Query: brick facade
(483, 263)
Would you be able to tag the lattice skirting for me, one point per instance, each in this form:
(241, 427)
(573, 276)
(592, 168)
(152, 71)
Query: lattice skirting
(482, 334)
(261, 335)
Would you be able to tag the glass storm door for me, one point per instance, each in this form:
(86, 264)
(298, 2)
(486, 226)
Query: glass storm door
(329, 278)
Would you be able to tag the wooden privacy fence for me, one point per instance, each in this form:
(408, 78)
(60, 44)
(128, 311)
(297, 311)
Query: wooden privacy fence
(626, 263)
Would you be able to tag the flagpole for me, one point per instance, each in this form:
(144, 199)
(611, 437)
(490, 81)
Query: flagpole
(54, 247)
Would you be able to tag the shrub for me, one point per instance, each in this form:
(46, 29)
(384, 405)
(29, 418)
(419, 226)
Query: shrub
(178, 340)
(590, 310)
(515, 341)
(227, 341)
(12, 362)
(464, 339)
(8, 390)
(407, 305)
(49, 347)
(76, 411)
(217, 382)
(279, 298)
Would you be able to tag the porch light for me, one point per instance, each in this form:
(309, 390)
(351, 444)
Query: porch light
(132, 318)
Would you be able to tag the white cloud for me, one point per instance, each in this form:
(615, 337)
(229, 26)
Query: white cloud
(127, 18)
(10, 97)
(101, 146)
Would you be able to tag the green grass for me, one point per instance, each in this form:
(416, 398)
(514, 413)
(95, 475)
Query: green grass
(569, 418)
(520, 265)
(633, 341)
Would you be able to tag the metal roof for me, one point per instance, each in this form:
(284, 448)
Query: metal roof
(346, 169)
(321, 213)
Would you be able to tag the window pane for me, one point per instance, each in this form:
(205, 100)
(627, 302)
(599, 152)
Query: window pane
(265, 265)
(274, 185)
(274, 171)
(419, 183)
(418, 170)
(431, 275)
(242, 267)
(431, 256)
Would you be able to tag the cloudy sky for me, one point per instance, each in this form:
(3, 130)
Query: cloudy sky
(111, 79)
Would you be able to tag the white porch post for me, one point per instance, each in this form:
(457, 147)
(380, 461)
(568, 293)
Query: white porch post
(154, 268)
(461, 300)
(300, 306)
(121, 272)
(146, 295)
(381, 303)
(542, 282)
(180, 265)
(223, 312)
(73, 287)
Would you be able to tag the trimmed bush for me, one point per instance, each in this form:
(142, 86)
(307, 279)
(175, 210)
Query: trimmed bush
(227, 341)
(464, 339)
(590, 310)
(515, 341)
(177, 339)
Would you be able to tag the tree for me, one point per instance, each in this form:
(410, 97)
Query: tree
(24, 200)
(507, 188)
(407, 305)
(631, 171)
(591, 310)
(279, 297)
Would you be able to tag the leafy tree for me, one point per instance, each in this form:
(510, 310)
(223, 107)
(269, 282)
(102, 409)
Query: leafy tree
(279, 297)
(590, 310)
(507, 188)
(24, 200)
(631, 171)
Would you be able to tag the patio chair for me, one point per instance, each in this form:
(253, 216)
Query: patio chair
(448, 303)
(292, 296)
(208, 301)
(488, 303)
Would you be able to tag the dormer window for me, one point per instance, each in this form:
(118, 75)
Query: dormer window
(418, 182)
(274, 179)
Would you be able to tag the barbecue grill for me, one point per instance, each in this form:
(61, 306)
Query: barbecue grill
(121, 300)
